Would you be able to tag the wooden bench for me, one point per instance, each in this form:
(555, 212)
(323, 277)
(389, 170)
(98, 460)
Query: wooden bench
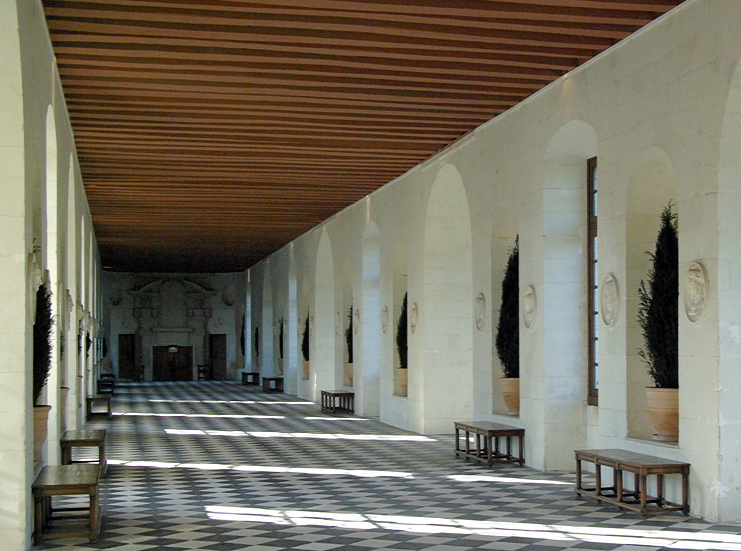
(272, 384)
(338, 401)
(250, 378)
(66, 480)
(80, 439)
(106, 383)
(642, 466)
(486, 437)
(91, 401)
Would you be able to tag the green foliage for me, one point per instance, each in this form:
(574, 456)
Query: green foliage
(305, 340)
(658, 313)
(42, 329)
(401, 335)
(508, 327)
(348, 335)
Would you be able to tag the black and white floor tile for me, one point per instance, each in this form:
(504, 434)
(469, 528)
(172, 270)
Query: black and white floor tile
(220, 466)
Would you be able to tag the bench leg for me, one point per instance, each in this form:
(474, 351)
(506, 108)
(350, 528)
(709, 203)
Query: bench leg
(102, 460)
(521, 438)
(644, 495)
(578, 474)
(94, 515)
(38, 520)
(685, 491)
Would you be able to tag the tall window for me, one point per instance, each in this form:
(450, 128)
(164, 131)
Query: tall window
(592, 283)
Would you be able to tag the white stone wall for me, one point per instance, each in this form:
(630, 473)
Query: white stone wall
(47, 235)
(661, 113)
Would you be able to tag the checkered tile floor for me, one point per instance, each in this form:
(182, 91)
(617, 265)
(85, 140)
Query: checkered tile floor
(221, 466)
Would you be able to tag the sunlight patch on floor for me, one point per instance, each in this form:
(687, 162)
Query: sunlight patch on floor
(504, 479)
(197, 415)
(323, 436)
(495, 529)
(361, 473)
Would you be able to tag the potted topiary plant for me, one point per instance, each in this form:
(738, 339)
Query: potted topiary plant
(658, 316)
(42, 329)
(305, 347)
(508, 333)
(348, 372)
(402, 375)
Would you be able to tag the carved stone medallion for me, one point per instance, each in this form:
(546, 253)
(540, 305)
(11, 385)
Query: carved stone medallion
(414, 318)
(480, 311)
(695, 291)
(385, 319)
(609, 300)
(529, 307)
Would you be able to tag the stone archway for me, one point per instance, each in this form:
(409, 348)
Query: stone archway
(441, 316)
(368, 378)
(325, 374)
(652, 184)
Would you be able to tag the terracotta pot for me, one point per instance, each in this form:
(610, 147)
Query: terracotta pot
(401, 382)
(663, 409)
(40, 422)
(306, 370)
(348, 375)
(511, 393)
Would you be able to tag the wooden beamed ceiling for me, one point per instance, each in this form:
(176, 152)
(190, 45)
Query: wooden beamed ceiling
(212, 132)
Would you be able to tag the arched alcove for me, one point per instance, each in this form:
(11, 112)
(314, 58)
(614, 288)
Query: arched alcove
(248, 325)
(553, 372)
(267, 340)
(652, 184)
(399, 288)
(442, 317)
(502, 241)
(324, 357)
(368, 378)
(292, 354)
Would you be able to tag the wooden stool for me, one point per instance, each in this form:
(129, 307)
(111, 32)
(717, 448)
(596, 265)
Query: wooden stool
(486, 438)
(66, 480)
(98, 399)
(272, 384)
(81, 439)
(338, 401)
(250, 378)
(641, 466)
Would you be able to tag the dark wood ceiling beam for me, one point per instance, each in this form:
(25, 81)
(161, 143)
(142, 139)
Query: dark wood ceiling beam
(325, 99)
(386, 26)
(329, 36)
(102, 110)
(196, 58)
(441, 12)
(250, 46)
(307, 83)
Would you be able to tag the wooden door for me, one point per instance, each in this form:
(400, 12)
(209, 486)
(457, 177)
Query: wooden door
(126, 350)
(217, 356)
(172, 363)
